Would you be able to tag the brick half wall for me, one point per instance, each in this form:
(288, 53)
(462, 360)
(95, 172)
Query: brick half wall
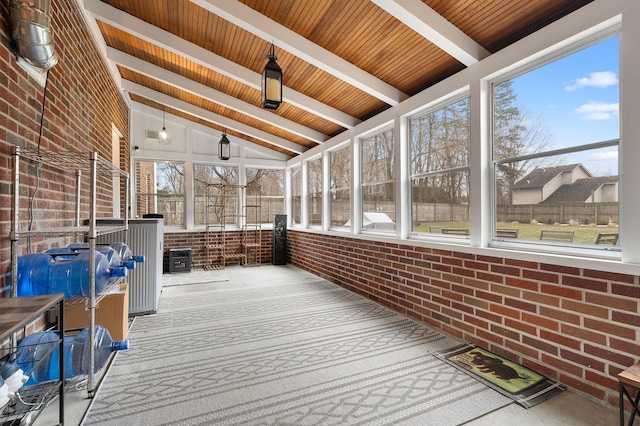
(577, 326)
(196, 241)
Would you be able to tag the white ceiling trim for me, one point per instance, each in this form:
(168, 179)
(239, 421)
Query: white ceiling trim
(204, 114)
(435, 28)
(267, 155)
(92, 25)
(164, 39)
(271, 31)
(212, 95)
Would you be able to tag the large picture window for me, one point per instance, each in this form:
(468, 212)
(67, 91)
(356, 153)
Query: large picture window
(271, 189)
(439, 147)
(340, 191)
(204, 176)
(378, 182)
(555, 150)
(160, 190)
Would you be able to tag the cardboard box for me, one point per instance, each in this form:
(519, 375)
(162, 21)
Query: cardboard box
(112, 312)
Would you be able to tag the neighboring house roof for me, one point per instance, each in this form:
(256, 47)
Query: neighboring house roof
(540, 177)
(579, 191)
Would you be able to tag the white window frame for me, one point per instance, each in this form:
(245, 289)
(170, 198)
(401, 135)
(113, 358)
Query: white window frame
(454, 98)
(571, 249)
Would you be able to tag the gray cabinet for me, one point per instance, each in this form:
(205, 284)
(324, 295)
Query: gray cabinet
(146, 237)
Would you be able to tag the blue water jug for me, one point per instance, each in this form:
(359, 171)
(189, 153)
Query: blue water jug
(40, 357)
(70, 275)
(39, 354)
(67, 272)
(104, 345)
(61, 251)
(125, 252)
(115, 261)
(33, 274)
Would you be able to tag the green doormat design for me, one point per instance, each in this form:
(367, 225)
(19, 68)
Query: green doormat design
(521, 384)
(508, 375)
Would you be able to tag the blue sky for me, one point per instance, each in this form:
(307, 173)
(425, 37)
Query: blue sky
(577, 100)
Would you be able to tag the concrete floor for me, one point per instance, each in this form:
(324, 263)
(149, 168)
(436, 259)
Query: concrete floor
(565, 409)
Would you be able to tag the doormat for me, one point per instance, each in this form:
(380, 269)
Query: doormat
(519, 383)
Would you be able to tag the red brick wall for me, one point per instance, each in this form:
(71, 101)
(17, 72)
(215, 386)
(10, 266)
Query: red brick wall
(81, 105)
(577, 326)
(196, 241)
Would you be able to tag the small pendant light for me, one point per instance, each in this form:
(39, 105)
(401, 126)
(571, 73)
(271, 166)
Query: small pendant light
(272, 82)
(163, 136)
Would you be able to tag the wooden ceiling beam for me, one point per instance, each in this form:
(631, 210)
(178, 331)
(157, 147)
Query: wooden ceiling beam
(164, 39)
(211, 116)
(432, 26)
(273, 32)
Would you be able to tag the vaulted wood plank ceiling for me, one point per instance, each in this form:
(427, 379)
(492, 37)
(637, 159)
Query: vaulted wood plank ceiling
(344, 61)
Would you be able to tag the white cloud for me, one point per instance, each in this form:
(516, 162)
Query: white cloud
(604, 156)
(594, 110)
(595, 79)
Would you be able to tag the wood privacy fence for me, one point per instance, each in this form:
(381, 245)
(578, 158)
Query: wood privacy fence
(585, 213)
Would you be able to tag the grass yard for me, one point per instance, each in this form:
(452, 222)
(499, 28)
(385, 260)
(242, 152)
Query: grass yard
(582, 234)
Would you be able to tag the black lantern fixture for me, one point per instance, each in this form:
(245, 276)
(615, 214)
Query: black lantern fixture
(272, 82)
(224, 147)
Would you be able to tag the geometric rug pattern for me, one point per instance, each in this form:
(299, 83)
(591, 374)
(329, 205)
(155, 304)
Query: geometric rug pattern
(195, 276)
(257, 350)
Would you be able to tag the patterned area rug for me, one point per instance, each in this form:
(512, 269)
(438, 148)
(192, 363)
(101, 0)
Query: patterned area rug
(284, 352)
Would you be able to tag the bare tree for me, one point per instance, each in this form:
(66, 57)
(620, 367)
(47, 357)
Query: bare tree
(440, 142)
(515, 133)
(341, 174)
(378, 172)
(170, 178)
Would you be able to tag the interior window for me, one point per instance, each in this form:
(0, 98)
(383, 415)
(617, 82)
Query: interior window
(160, 190)
(204, 175)
(270, 185)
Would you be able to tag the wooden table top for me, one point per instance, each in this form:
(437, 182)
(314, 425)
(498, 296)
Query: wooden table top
(631, 376)
(17, 312)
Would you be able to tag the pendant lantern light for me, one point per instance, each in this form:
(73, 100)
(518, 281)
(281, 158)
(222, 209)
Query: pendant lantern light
(272, 82)
(163, 136)
(224, 147)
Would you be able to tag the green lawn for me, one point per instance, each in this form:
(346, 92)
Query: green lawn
(582, 234)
